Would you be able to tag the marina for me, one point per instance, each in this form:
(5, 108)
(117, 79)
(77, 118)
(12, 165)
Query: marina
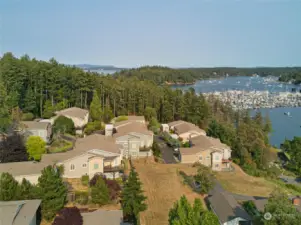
(285, 117)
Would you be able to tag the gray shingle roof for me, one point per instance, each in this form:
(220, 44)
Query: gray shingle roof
(226, 207)
(33, 125)
(106, 217)
(18, 212)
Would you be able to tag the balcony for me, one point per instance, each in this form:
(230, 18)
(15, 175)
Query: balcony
(226, 160)
(108, 169)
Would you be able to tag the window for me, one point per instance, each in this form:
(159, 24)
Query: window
(84, 165)
(216, 157)
(95, 166)
(200, 158)
(208, 157)
(72, 167)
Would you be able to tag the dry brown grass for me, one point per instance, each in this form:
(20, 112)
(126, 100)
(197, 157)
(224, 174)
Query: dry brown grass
(241, 183)
(163, 187)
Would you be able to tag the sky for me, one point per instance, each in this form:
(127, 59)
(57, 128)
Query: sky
(175, 33)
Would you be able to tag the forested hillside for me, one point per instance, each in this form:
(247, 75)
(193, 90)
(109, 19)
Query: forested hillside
(164, 75)
(40, 88)
(293, 77)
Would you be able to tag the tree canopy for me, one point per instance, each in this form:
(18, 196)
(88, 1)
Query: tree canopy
(132, 198)
(68, 216)
(8, 187)
(36, 147)
(63, 125)
(54, 192)
(95, 107)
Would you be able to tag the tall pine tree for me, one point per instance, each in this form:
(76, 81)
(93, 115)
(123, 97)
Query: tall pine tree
(100, 192)
(133, 200)
(95, 107)
(54, 192)
(8, 187)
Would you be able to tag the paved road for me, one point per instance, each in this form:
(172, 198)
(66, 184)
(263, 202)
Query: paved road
(290, 180)
(167, 152)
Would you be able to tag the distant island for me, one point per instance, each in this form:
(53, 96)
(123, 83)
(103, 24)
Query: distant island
(97, 67)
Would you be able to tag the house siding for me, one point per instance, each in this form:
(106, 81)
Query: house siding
(32, 178)
(34, 220)
(77, 162)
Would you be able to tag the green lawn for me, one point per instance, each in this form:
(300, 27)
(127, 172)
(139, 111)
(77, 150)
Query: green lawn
(60, 145)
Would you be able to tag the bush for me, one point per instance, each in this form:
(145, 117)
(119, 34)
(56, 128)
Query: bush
(294, 187)
(27, 116)
(60, 146)
(85, 180)
(82, 197)
(35, 147)
(63, 125)
(121, 118)
(93, 126)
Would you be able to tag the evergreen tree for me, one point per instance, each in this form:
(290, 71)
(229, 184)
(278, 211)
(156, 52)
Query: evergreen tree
(29, 101)
(8, 187)
(209, 218)
(26, 190)
(132, 198)
(95, 107)
(100, 192)
(54, 192)
(36, 147)
(183, 213)
(4, 112)
(107, 114)
(150, 113)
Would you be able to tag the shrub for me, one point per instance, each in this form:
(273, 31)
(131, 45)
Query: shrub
(82, 197)
(35, 147)
(61, 146)
(121, 118)
(294, 187)
(93, 126)
(27, 116)
(68, 216)
(100, 192)
(85, 180)
(63, 125)
(112, 185)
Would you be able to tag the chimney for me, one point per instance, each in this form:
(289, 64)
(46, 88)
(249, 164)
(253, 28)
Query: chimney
(109, 130)
(296, 200)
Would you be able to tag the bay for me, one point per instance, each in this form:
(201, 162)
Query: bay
(283, 126)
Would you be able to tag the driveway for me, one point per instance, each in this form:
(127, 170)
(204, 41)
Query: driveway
(290, 180)
(166, 151)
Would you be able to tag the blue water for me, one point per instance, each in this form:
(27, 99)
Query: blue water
(283, 126)
(241, 83)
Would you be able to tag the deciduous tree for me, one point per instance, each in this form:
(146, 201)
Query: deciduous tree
(68, 216)
(36, 147)
(63, 125)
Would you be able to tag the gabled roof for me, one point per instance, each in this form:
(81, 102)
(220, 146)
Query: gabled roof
(188, 127)
(106, 217)
(129, 127)
(177, 122)
(73, 112)
(33, 125)
(18, 212)
(226, 207)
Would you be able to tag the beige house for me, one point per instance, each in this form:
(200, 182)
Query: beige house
(134, 137)
(80, 117)
(185, 130)
(207, 151)
(40, 129)
(93, 154)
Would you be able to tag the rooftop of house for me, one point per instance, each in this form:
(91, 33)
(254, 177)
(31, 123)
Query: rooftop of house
(83, 145)
(177, 122)
(18, 212)
(202, 143)
(226, 207)
(107, 217)
(33, 125)
(130, 127)
(73, 112)
(130, 119)
(186, 127)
